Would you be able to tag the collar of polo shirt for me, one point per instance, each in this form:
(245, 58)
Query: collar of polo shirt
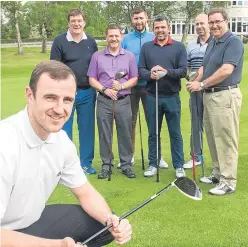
(70, 38)
(121, 51)
(29, 135)
(224, 37)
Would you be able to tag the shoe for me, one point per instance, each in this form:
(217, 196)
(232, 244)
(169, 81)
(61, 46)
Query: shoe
(129, 173)
(89, 170)
(150, 171)
(189, 164)
(132, 162)
(221, 189)
(180, 173)
(103, 174)
(209, 180)
(162, 163)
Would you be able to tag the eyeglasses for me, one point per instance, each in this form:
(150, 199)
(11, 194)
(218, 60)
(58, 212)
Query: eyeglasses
(211, 23)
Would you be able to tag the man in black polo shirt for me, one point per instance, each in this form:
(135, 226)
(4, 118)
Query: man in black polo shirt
(218, 78)
(74, 48)
(169, 56)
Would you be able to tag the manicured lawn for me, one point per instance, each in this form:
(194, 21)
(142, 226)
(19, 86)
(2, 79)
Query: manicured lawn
(171, 220)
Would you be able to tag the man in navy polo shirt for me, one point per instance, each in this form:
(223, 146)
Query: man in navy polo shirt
(74, 48)
(114, 100)
(169, 56)
(219, 78)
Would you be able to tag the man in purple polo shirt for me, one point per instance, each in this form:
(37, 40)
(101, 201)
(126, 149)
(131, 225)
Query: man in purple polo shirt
(113, 100)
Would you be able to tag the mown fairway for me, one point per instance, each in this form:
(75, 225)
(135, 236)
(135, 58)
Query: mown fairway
(171, 220)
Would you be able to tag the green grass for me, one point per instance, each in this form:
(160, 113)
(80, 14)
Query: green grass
(171, 220)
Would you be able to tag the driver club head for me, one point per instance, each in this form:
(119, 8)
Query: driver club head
(160, 73)
(120, 75)
(188, 187)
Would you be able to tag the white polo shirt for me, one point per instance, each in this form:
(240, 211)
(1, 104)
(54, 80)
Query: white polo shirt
(30, 169)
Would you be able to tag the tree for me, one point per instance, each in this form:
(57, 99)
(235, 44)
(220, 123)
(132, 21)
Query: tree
(12, 12)
(191, 10)
(41, 15)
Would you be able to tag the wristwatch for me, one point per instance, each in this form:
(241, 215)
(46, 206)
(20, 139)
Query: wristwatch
(103, 89)
(202, 85)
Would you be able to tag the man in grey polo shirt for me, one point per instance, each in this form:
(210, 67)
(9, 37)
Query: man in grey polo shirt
(195, 53)
(113, 100)
(219, 78)
(36, 155)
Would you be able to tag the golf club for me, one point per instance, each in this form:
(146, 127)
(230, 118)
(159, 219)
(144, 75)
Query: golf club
(185, 185)
(192, 76)
(141, 143)
(118, 76)
(160, 75)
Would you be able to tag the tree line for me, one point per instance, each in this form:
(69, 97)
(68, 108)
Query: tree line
(46, 19)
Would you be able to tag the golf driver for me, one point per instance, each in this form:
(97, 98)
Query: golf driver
(192, 76)
(160, 75)
(185, 185)
(118, 76)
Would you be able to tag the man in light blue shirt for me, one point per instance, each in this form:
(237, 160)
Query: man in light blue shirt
(133, 42)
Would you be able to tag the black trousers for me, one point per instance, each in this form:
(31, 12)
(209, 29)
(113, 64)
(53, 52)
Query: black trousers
(60, 220)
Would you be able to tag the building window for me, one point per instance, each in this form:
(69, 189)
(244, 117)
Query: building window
(234, 3)
(240, 3)
(173, 30)
(179, 29)
(239, 27)
(233, 27)
(193, 29)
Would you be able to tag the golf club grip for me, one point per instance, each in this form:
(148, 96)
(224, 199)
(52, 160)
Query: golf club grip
(129, 212)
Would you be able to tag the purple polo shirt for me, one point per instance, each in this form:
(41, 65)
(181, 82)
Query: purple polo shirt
(104, 66)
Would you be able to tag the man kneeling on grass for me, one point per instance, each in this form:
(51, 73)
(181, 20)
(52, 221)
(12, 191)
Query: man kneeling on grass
(36, 155)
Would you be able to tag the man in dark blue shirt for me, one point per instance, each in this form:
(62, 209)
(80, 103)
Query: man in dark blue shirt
(74, 48)
(219, 77)
(169, 56)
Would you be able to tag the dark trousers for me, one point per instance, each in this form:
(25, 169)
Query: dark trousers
(137, 94)
(123, 122)
(85, 106)
(196, 110)
(170, 106)
(60, 220)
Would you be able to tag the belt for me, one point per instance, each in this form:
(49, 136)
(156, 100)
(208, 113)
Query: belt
(83, 87)
(119, 97)
(218, 89)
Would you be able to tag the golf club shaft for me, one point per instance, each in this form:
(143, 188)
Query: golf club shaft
(157, 130)
(130, 212)
(111, 144)
(201, 141)
(141, 143)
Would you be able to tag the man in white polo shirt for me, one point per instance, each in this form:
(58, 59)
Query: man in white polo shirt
(36, 155)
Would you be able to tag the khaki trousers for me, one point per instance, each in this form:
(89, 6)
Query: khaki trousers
(221, 121)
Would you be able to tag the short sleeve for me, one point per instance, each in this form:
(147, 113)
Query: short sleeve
(233, 52)
(92, 71)
(72, 175)
(7, 167)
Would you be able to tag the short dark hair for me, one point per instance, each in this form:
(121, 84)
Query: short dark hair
(113, 26)
(138, 11)
(220, 11)
(75, 12)
(55, 69)
(160, 18)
